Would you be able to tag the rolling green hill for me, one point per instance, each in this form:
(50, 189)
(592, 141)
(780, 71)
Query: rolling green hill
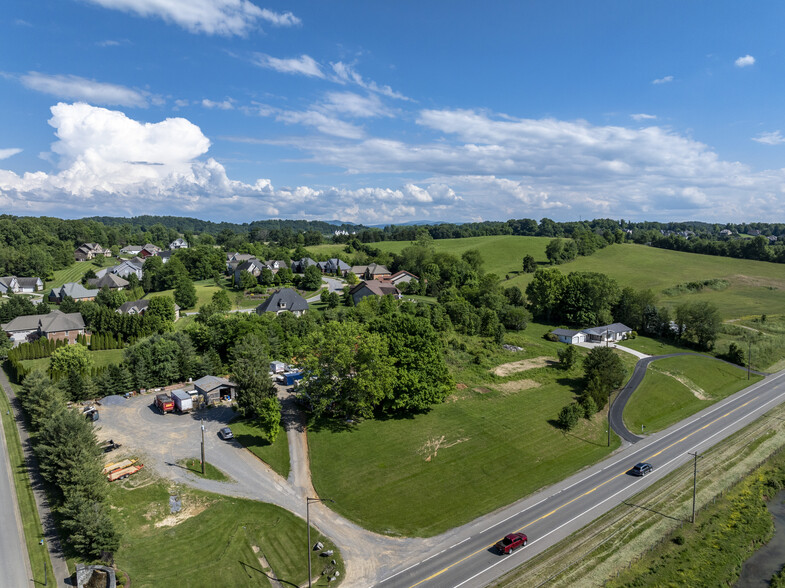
(755, 287)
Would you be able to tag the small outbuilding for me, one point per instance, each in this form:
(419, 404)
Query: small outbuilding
(277, 367)
(213, 388)
(569, 336)
(182, 400)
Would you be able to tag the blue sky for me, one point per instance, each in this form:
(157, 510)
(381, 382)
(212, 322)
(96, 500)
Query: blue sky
(379, 112)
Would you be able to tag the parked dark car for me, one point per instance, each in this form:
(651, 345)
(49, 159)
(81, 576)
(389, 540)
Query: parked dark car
(511, 542)
(641, 469)
(226, 433)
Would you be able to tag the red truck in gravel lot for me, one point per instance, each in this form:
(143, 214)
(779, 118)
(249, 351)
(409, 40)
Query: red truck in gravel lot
(164, 403)
(511, 542)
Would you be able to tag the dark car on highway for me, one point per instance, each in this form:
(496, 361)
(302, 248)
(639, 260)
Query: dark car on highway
(511, 542)
(226, 433)
(641, 469)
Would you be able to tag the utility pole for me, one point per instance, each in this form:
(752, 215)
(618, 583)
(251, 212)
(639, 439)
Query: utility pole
(308, 501)
(203, 466)
(694, 482)
(749, 356)
(609, 418)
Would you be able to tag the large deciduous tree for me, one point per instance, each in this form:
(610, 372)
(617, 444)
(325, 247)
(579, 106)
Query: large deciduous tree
(699, 322)
(603, 372)
(256, 396)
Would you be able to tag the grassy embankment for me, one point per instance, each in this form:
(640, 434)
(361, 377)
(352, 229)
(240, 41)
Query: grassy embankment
(677, 387)
(649, 541)
(221, 541)
(31, 523)
(276, 455)
(74, 273)
(488, 445)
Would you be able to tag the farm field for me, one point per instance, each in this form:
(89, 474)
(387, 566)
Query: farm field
(487, 445)
(677, 387)
(100, 359)
(223, 538)
(756, 287)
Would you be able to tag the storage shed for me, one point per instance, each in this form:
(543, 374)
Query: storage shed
(277, 367)
(213, 388)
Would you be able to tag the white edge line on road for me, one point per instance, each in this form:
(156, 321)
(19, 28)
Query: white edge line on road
(681, 455)
(459, 542)
(432, 556)
(401, 572)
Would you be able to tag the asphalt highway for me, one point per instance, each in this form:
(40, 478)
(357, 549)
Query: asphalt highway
(14, 563)
(465, 558)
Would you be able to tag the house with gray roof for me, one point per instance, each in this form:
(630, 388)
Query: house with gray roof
(178, 243)
(88, 251)
(373, 271)
(284, 300)
(73, 289)
(299, 266)
(124, 269)
(334, 266)
(131, 249)
(140, 307)
(604, 334)
(373, 288)
(108, 280)
(253, 266)
(54, 325)
(14, 285)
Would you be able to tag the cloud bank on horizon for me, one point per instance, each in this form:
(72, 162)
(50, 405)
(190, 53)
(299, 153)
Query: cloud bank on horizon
(315, 138)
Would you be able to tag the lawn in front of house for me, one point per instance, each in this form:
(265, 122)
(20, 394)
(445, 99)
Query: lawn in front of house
(194, 465)
(75, 272)
(489, 444)
(651, 346)
(100, 359)
(677, 387)
(211, 542)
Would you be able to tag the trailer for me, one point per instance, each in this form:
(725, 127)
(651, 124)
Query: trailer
(289, 378)
(182, 400)
(164, 403)
(123, 473)
(110, 467)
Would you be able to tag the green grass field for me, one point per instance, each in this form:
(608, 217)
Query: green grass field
(276, 455)
(651, 346)
(677, 387)
(74, 273)
(486, 446)
(756, 287)
(194, 465)
(215, 541)
(100, 359)
(31, 524)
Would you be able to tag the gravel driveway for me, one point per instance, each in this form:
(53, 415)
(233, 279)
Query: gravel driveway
(163, 440)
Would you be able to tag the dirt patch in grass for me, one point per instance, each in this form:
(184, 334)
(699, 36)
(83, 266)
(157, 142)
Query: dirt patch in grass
(482, 390)
(186, 513)
(432, 446)
(513, 367)
(517, 386)
(461, 386)
(697, 391)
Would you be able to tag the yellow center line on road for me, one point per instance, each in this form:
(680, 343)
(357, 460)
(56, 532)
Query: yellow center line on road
(558, 508)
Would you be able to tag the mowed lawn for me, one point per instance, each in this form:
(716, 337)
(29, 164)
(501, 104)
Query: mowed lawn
(485, 447)
(677, 387)
(211, 543)
(74, 273)
(100, 359)
(276, 455)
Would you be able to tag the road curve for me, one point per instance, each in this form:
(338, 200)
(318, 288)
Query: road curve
(619, 404)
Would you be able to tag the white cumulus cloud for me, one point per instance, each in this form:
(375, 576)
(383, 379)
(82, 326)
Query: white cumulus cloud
(745, 61)
(213, 17)
(72, 87)
(227, 104)
(663, 80)
(643, 116)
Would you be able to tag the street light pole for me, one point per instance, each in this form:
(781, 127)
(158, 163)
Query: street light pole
(45, 575)
(308, 501)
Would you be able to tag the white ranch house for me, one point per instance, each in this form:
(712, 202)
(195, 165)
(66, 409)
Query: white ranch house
(614, 332)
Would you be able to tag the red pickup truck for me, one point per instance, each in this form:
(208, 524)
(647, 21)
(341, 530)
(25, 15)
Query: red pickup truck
(164, 403)
(511, 542)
